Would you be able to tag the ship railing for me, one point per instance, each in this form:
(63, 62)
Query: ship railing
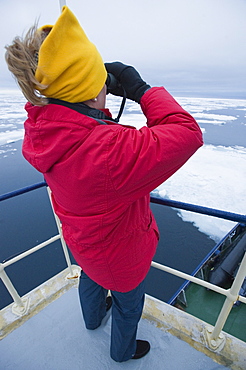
(214, 336)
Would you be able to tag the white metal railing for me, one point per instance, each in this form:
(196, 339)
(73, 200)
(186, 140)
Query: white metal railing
(214, 337)
(204, 283)
(64, 245)
(20, 306)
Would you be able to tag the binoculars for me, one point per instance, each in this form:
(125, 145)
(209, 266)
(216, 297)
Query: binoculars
(112, 83)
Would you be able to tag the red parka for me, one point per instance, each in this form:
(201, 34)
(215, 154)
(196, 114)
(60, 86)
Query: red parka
(101, 177)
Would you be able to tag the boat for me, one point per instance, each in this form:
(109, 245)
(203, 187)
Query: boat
(43, 329)
(219, 268)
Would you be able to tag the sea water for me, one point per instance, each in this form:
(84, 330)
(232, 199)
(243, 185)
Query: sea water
(214, 177)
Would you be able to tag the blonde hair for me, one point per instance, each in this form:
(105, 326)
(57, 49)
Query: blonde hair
(22, 61)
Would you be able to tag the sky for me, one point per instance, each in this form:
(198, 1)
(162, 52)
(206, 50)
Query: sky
(179, 44)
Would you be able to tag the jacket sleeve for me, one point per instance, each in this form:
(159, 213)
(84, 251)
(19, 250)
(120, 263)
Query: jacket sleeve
(140, 160)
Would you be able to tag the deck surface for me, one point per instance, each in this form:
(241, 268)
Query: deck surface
(56, 339)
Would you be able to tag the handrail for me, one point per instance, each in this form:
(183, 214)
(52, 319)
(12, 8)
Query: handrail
(29, 251)
(200, 209)
(165, 202)
(193, 279)
(232, 294)
(24, 190)
(21, 305)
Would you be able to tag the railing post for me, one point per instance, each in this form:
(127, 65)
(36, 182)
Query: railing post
(71, 274)
(21, 305)
(215, 336)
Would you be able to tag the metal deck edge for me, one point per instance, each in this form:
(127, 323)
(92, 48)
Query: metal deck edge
(232, 353)
(166, 317)
(36, 300)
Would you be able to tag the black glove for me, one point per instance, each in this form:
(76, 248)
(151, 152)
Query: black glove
(128, 79)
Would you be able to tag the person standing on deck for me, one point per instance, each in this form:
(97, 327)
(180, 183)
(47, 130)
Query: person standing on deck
(100, 172)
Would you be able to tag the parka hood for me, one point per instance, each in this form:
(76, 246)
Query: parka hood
(53, 132)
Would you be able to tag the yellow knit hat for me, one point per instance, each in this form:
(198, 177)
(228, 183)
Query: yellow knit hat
(68, 63)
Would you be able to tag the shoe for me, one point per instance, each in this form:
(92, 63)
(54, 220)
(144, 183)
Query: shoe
(109, 302)
(143, 348)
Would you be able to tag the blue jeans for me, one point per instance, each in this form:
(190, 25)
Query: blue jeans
(126, 312)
